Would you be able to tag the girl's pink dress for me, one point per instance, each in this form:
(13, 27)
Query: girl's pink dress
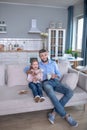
(35, 74)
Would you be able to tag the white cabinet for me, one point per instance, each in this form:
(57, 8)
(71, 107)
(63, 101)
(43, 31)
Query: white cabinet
(13, 57)
(56, 42)
(17, 57)
(3, 28)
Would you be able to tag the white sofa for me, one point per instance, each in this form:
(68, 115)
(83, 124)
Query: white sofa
(13, 80)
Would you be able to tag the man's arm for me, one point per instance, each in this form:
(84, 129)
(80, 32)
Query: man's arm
(57, 72)
(26, 69)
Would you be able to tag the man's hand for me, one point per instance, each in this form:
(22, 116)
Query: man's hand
(53, 76)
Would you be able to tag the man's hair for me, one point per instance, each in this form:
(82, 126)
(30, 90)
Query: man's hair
(42, 51)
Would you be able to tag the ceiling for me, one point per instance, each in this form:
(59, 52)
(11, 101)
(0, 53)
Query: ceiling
(48, 3)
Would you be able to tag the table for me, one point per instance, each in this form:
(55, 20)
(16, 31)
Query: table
(73, 60)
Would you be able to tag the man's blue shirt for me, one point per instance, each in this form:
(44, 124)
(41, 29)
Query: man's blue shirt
(50, 68)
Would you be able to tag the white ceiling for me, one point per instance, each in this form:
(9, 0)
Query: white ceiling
(50, 3)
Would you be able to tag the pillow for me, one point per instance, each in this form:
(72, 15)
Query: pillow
(2, 75)
(16, 75)
(63, 67)
(70, 79)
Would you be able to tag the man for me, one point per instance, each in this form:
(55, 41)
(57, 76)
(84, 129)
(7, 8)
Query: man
(53, 84)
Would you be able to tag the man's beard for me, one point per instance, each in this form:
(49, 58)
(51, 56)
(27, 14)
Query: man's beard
(45, 60)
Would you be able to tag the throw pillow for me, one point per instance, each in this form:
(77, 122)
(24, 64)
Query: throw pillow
(70, 79)
(16, 75)
(63, 67)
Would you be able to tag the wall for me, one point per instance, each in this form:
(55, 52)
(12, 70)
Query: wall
(78, 9)
(18, 19)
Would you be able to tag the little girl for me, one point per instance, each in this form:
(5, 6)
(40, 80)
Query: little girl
(35, 76)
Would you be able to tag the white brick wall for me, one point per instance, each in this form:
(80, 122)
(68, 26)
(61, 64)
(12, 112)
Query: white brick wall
(26, 44)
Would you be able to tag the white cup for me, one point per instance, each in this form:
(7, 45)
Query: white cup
(48, 76)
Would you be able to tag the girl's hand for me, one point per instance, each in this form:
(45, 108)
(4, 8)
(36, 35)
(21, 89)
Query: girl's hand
(34, 79)
(28, 72)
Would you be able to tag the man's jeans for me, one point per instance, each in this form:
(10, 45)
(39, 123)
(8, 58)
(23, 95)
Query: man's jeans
(36, 88)
(53, 85)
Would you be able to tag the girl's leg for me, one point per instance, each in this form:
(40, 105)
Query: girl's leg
(40, 93)
(33, 87)
(39, 89)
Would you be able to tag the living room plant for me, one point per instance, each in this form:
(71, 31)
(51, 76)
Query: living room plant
(74, 53)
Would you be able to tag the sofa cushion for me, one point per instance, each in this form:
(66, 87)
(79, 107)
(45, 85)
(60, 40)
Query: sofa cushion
(83, 81)
(2, 75)
(70, 79)
(16, 75)
(63, 67)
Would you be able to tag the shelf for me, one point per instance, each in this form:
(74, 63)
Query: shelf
(3, 25)
(3, 28)
(34, 32)
(3, 32)
(12, 51)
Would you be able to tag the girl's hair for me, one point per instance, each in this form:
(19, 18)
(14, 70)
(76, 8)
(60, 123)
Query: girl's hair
(32, 61)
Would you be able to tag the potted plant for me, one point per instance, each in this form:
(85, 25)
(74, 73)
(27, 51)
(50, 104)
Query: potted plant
(68, 51)
(75, 54)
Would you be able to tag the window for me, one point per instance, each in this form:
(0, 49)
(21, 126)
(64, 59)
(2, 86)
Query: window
(79, 30)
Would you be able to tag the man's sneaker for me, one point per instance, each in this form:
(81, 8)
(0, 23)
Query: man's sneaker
(37, 98)
(42, 99)
(51, 118)
(71, 121)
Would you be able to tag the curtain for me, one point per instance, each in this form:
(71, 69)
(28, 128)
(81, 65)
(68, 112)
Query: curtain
(69, 35)
(84, 41)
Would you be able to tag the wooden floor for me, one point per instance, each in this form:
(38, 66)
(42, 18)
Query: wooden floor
(38, 121)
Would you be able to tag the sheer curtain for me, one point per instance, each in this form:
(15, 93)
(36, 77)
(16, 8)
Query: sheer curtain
(84, 41)
(69, 35)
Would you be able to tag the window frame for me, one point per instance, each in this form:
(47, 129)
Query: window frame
(77, 19)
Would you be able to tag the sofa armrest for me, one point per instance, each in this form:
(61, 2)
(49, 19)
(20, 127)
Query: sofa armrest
(71, 70)
(82, 81)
